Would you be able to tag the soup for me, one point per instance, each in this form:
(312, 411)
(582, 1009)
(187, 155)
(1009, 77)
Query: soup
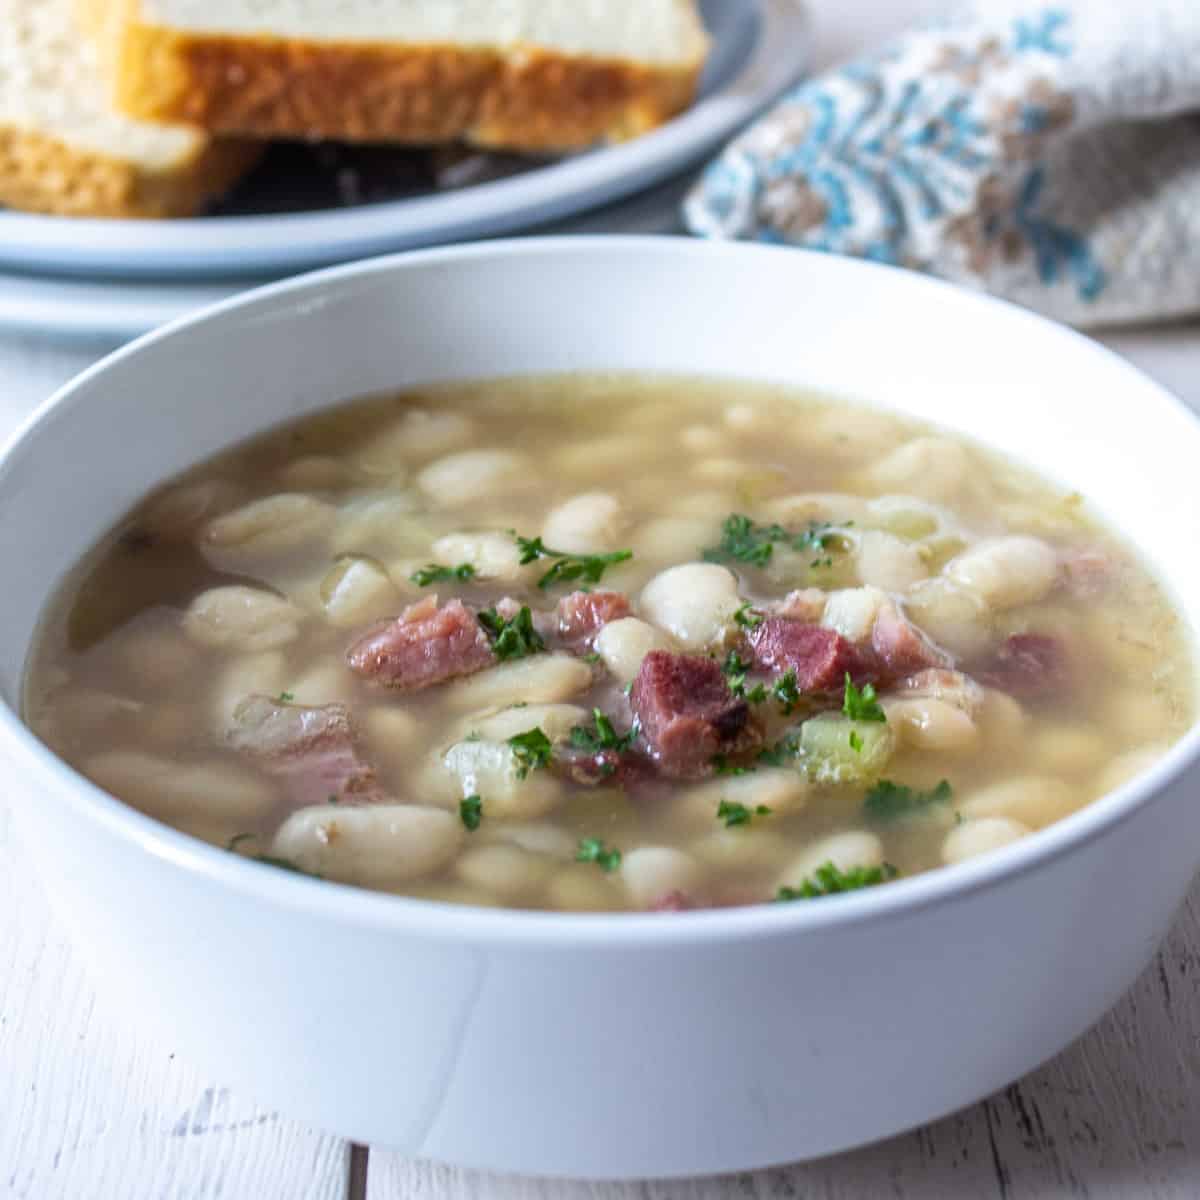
(605, 643)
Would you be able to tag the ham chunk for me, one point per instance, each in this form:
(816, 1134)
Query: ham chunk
(582, 615)
(423, 646)
(687, 713)
(313, 751)
(1029, 665)
(900, 648)
(673, 902)
(821, 658)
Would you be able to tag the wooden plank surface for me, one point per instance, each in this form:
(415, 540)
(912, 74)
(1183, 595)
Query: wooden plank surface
(1117, 1116)
(89, 1110)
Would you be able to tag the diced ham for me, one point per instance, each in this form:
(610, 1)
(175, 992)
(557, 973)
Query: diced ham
(582, 615)
(807, 606)
(425, 645)
(1029, 665)
(687, 713)
(900, 648)
(821, 658)
(311, 750)
(676, 901)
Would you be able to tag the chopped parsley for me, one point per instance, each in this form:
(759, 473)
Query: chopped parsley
(736, 669)
(783, 752)
(334, 798)
(592, 850)
(431, 574)
(591, 659)
(887, 800)
(786, 692)
(856, 742)
(532, 750)
(512, 639)
(723, 766)
(602, 735)
(470, 809)
(827, 880)
(862, 705)
(745, 542)
(568, 567)
(749, 617)
(286, 697)
(733, 813)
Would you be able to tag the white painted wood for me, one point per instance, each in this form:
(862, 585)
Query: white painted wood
(90, 1109)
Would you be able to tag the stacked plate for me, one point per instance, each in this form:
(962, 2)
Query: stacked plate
(312, 206)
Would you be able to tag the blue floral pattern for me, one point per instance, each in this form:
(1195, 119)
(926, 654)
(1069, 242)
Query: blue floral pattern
(930, 155)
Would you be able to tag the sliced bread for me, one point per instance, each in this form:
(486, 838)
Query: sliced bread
(63, 149)
(531, 75)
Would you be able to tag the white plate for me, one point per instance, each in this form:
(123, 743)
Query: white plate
(107, 312)
(758, 49)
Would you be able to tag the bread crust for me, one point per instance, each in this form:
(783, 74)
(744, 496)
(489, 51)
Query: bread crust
(527, 99)
(42, 174)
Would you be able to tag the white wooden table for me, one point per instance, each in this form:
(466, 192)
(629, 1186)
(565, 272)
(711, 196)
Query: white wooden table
(90, 1110)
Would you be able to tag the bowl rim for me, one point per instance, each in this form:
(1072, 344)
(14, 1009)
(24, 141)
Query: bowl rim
(470, 924)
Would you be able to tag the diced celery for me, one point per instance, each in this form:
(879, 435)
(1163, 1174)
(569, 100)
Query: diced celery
(834, 749)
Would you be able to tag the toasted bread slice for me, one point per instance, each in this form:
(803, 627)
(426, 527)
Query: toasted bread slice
(64, 150)
(529, 75)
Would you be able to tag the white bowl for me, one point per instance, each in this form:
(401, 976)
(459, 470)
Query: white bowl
(605, 1046)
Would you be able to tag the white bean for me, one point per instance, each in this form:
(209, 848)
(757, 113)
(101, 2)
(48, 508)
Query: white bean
(383, 523)
(583, 887)
(157, 655)
(695, 603)
(542, 679)
(925, 723)
(848, 850)
(314, 472)
(392, 735)
(280, 524)
(419, 433)
(1128, 766)
(1068, 749)
(1001, 719)
(472, 475)
(264, 674)
(1006, 572)
(981, 836)
(536, 838)
(933, 467)
(491, 770)
(652, 872)
(505, 870)
(952, 616)
(555, 720)
(1034, 800)
(852, 612)
(884, 561)
(586, 524)
(598, 457)
(177, 514)
(168, 789)
(622, 644)
(380, 845)
(242, 618)
(493, 555)
(357, 590)
(323, 683)
(907, 516)
(777, 788)
(741, 848)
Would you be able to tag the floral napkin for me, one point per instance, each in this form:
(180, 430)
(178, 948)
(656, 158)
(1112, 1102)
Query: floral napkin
(1048, 154)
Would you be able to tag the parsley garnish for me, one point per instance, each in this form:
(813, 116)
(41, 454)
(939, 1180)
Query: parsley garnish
(784, 751)
(862, 705)
(592, 850)
(827, 880)
(470, 809)
(591, 659)
(733, 813)
(603, 736)
(463, 573)
(749, 617)
(736, 669)
(856, 742)
(569, 567)
(723, 766)
(333, 798)
(887, 800)
(512, 639)
(286, 697)
(786, 692)
(743, 541)
(532, 750)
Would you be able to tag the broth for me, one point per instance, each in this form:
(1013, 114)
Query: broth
(694, 643)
